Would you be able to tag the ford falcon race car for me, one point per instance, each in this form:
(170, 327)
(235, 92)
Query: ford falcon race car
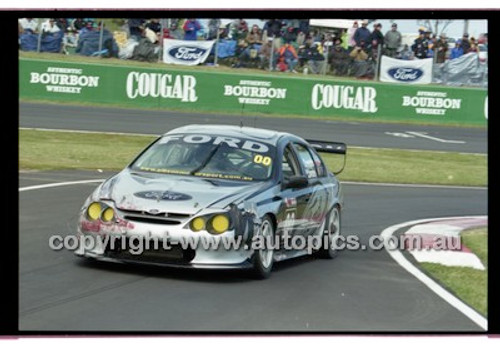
(216, 196)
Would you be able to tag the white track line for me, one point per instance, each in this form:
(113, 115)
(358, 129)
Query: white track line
(86, 131)
(53, 185)
(422, 135)
(431, 284)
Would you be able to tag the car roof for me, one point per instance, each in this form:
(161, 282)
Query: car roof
(269, 136)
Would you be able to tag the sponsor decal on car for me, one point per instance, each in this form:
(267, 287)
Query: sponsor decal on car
(162, 195)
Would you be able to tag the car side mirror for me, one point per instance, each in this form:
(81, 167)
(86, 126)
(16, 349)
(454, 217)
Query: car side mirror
(295, 182)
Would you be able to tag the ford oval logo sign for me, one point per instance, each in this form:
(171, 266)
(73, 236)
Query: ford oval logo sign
(406, 74)
(162, 195)
(186, 53)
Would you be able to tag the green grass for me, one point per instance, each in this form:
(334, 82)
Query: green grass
(44, 150)
(469, 284)
(40, 150)
(405, 166)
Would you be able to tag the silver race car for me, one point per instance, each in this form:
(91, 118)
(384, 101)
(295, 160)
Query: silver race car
(216, 196)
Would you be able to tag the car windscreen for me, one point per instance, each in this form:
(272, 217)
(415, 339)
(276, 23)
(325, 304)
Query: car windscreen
(208, 156)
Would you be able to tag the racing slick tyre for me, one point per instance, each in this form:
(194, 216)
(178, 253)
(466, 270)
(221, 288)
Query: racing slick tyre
(332, 232)
(262, 260)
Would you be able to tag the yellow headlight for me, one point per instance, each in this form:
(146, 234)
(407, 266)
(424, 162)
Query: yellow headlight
(94, 211)
(219, 223)
(108, 214)
(197, 224)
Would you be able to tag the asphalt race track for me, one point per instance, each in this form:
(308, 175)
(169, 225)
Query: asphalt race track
(357, 291)
(389, 135)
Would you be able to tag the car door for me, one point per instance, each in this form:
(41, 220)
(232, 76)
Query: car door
(313, 199)
(290, 213)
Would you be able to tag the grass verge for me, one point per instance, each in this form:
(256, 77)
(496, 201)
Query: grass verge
(469, 284)
(47, 150)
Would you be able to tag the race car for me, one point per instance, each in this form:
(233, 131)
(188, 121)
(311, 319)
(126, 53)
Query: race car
(217, 196)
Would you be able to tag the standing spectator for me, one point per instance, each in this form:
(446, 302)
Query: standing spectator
(304, 26)
(301, 38)
(351, 42)
(313, 37)
(50, 26)
(62, 23)
(288, 55)
(213, 27)
(339, 59)
(29, 25)
(406, 53)
(392, 41)
(154, 25)
(376, 40)
(465, 43)
(420, 46)
(175, 31)
(473, 46)
(430, 50)
(273, 29)
(427, 36)
(441, 48)
(457, 51)
(136, 27)
(239, 29)
(294, 23)
(362, 33)
(191, 28)
(344, 39)
(289, 35)
(265, 55)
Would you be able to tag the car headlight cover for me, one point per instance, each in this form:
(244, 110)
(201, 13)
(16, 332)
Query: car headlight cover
(108, 215)
(94, 211)
(218, 224)
(197, 224)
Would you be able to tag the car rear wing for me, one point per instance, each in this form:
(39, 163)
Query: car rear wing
(328, 146)
(331, 147)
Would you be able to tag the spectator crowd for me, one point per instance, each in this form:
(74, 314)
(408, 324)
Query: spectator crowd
(281, 44)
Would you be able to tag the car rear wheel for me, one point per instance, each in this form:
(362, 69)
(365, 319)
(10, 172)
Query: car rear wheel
(263, 259)
(332, 232)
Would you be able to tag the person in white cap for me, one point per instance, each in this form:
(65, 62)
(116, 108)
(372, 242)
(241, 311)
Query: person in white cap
(362, 33)
(350, 33)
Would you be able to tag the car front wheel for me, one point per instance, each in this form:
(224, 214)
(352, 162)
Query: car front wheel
(263, 259)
